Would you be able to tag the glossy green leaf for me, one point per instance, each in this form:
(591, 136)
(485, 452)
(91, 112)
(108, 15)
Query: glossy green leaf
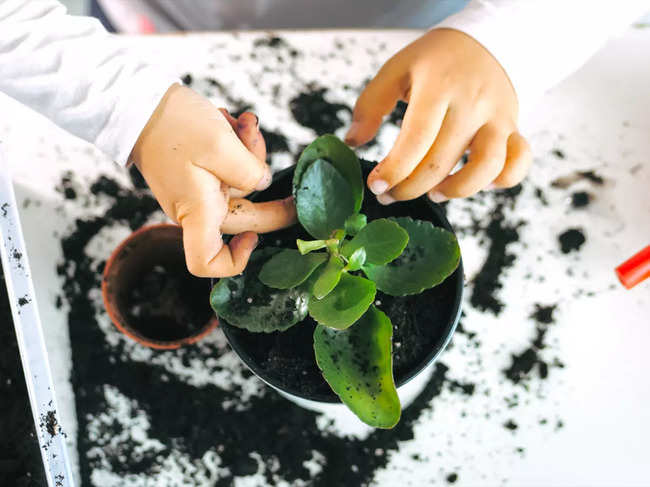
(357, 364)
(289, 268)
(323, 199)
(243, 301)
(345, 304)
(357, 259)
(431, 255)
(383, 240)
(306, 246)
(345, 161)
(329, 278)
(354, 223)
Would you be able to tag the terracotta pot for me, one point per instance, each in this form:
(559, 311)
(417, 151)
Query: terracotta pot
(142, 252)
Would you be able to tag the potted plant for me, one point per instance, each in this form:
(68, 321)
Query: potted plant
(149, 294)
(329, 309)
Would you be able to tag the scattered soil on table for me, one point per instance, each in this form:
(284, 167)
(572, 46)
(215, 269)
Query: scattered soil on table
(580, 199)
(523, 364)
(20, 456)
(452, 478)
(571, 240)
(167, 302)
(565, 181)
(501, 234)
(275, 141)
(541, 196)
(311, 109)
(66, 187)
(558, 153)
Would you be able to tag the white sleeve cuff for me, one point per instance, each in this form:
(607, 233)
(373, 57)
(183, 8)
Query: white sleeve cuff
(132, 112)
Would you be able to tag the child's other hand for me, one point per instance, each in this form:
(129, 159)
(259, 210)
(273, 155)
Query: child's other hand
(194, 158)
(459, 97)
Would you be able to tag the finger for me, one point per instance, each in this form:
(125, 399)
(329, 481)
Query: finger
(244, 215)
(422, 122)
(450, 144)
(205, 253)
(231, 162)
(486, 160)
(249, 133)
(519, 157)
(231, 120)
(378, 98)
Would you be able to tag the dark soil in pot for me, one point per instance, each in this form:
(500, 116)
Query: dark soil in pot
(150, 295)
(422, 323)
(20, 457)
(166, 302)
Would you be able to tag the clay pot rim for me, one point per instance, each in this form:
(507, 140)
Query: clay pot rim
(130, 332)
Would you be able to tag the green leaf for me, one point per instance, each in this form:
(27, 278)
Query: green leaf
(354, 223)
(357, 364)
(357, 259)
(383, 239)
(345, 161)
(431, 255)
(289, 268)
(323, 199)
(345, 304)
(306, 246)
(329, 278)
(243, 301)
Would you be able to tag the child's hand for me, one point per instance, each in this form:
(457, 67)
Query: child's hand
(194, 158)
(459, 97)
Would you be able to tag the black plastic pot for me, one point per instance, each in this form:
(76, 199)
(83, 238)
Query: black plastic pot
(422, 324)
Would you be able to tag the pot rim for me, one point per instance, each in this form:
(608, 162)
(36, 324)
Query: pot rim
(429, 358)
(109, 305)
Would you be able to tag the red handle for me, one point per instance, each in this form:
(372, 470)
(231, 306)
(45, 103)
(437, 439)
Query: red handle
(635, 269)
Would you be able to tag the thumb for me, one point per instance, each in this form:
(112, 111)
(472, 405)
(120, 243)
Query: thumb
(206, 255)
(377, 100)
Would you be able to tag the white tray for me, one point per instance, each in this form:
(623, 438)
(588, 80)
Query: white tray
(29, 333)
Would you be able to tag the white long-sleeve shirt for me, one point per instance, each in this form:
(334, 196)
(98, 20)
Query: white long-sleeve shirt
(71, 70)
(541, 42)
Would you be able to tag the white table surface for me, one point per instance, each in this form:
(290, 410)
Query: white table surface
(600, 118)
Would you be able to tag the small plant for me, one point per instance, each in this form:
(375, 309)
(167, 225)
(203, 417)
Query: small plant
(334, 279)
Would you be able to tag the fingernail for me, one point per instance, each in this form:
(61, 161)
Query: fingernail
(352, 132)
(378, 186)
(243, 121)
(437, 197)
(386, 199)
(491, 186)
(265, 181)
(257, 241)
